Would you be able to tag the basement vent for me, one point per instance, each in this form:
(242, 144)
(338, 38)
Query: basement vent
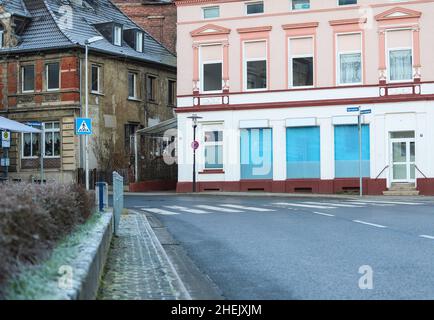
(303, 190)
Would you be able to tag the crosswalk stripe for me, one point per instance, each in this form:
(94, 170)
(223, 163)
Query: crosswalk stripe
(220, 209)
(391, 202)
(160, 211)
(371, 204)
(324, 214)
(370, 224)
(304, 205)
(188, 210)
(335, 204)
(234, 206)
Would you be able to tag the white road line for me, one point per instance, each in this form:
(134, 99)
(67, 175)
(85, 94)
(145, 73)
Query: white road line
(371, 203)
(303, 205)
(324, 214)
(370, 224)
(427, 237)
(160, 211)
(219, 209)
(187, 210)
(391, 202)
(335, 204)
(235, 206)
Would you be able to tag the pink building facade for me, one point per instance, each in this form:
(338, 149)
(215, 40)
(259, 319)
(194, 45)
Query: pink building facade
(273, 81)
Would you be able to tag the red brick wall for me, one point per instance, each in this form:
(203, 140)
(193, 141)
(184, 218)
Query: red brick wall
(159, 20)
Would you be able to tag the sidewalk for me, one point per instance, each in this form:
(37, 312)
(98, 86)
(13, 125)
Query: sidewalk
(137, 267)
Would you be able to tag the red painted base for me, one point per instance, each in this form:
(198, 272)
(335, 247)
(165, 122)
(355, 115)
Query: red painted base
(370, 186)
(153, 185)
(426, 186)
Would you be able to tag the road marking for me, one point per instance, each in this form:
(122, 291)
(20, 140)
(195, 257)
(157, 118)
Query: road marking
(303, 205)
(426, 237)
(234, 206)
(217, 209)
(391, 202)
(187, 210)
(160, 211)
(324, 214)
(370, 224)
(370, 203)
(335, 204)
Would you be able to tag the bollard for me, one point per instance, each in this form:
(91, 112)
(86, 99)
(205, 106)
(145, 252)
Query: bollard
(101, 195)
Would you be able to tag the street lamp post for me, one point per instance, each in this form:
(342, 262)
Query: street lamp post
(86, 102)
(195, 145)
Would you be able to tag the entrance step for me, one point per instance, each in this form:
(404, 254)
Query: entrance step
(402, 189)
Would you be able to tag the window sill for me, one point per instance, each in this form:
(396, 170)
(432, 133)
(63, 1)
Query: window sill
(212, 171)
(134, 99)
(97, 93)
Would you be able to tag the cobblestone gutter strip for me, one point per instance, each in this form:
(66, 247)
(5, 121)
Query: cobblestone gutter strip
(74, 269)
(137, 267)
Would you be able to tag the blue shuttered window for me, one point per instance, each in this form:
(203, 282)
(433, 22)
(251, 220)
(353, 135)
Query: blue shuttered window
(303, 153)
(256, 154)
(347, 151)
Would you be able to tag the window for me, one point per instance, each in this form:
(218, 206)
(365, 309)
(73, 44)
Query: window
(303, 153)
(256, 154)
(255, 7)
(30, 145)
(400, 64)
(255, 65)
(52, 139)
(211, 12)
(151, 88)
(301, 65)
(346, 2)
(95, 76)
(28, 78)
(349, 58)
(212, 76)
(117, 35)
(139, 41)
(2, 33)
(213, 143)
(347, 151)
(300, 4)
(52, 74)
(130, 131)
(171, 92)
(132, 85)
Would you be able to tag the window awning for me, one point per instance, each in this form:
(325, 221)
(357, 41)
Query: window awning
(14, 126)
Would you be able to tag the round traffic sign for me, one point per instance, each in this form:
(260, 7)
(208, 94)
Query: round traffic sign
(195, 145)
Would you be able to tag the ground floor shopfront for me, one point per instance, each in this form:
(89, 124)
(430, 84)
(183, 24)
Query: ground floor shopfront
(310, 149)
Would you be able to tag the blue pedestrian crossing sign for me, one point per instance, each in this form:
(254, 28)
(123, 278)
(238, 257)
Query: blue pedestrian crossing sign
(83, 126)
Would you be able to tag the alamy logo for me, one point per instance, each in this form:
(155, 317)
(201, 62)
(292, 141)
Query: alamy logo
(66, 19)
(66, 276)
(366, 281)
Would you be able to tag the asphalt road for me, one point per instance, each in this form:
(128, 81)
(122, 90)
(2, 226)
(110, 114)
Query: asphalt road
(304, 248)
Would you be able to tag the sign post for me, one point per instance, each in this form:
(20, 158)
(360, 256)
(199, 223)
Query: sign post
(360, 112)
(83, 127)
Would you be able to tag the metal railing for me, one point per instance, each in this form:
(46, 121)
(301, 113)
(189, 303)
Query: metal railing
(420, 171)
(118, 200)
(384, 169)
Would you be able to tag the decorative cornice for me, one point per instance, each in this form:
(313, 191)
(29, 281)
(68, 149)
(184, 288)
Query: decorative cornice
(216, 30)
(300, 25)
(406, 14)
(347, 21)
(255, 29)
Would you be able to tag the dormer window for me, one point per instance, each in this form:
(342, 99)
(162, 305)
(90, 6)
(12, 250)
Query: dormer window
(117, 35)
(139, 41)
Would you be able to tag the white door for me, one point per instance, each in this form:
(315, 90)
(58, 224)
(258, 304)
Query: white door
(403, 159)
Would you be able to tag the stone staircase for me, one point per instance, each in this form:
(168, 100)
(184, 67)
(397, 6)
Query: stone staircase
(402, 189)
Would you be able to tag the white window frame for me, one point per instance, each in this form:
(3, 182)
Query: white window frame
(139, 40)
(201, 68)
(98, 78)
(135, 85)
(22, 78)
(52, 131)
(210, 128)
(245, 60)
(47, 77)
(31, 145)
(292, 6)
(210, 7)
(116, 34)
(246, 4)
(292, 57)
(388, 64)
(338, 59)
